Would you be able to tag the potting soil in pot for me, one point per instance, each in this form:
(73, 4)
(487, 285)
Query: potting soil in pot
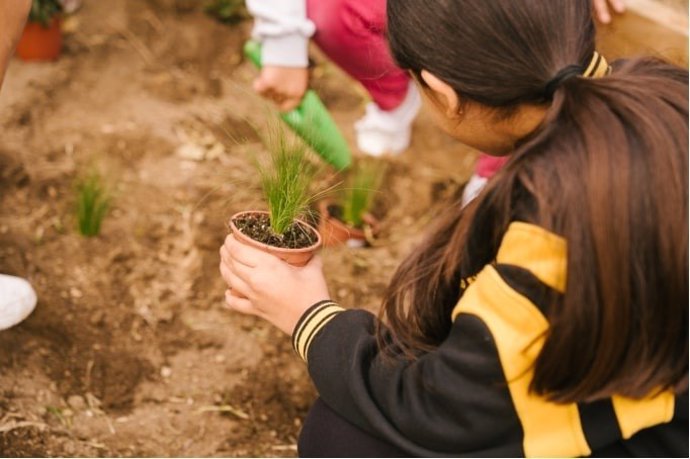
(258, 227)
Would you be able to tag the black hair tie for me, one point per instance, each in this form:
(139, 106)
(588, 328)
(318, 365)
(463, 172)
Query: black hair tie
(561, 77)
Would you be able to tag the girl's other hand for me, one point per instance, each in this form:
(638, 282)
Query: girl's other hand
(602, 9)
(283, 85)
(265, 286)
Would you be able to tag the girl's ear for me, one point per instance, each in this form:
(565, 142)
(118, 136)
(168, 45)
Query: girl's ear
(444, 93)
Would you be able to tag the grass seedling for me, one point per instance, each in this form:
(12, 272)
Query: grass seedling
(361, 186)
(43, 11)
(227, 11)
(285, 179)
(93, 203)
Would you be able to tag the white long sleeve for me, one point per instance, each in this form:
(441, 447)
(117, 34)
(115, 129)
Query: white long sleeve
(284, 30)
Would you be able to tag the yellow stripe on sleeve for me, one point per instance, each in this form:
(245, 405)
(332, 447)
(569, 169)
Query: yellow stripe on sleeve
(537, 250)
(518, 329)
(635, 415)
(312, 325)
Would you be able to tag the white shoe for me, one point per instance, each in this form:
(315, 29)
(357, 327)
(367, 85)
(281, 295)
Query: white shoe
(380, 132)
(70, 6)
(17, 300)
(472, 189)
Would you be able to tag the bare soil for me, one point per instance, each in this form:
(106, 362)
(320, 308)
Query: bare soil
(130, 351)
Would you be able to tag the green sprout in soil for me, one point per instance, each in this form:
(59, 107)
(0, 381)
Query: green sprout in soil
(361, 186)
(285, 180)
(43, 11)
(93, 203)
(227, 11)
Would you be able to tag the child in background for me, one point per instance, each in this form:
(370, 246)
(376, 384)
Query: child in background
(353, 34)
(17, 298)
(550, 316)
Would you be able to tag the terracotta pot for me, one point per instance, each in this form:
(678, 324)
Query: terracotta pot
(295, 257)
(40, 43)
(336, 232)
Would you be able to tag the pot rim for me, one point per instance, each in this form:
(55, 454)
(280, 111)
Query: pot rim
(310, 248)
(370, 220)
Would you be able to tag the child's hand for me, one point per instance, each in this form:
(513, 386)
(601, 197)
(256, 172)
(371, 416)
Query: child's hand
(263, 285)
(602, 9)
(283, 85)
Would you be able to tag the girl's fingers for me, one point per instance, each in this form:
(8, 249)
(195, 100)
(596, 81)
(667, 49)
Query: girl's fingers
(289, 104)
(224, 254)
(238, 304)
(618, 5)
(246, 255)
(226, 273)
(240, 271)
(239, 286)
(602, 9)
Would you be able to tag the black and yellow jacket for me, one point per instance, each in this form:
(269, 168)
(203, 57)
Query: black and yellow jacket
(470, 397)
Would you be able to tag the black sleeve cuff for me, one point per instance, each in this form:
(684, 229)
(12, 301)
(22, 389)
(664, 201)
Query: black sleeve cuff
(311, 322)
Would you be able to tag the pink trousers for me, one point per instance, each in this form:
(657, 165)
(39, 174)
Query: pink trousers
(352, 33)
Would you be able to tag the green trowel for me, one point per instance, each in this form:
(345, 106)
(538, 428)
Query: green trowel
(311, 121)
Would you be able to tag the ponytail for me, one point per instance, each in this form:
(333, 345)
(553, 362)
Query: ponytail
(617, 160)
(608, 172)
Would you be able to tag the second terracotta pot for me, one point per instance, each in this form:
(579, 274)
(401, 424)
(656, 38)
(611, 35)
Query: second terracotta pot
(40, 43)
(336, 232)
(295, 257)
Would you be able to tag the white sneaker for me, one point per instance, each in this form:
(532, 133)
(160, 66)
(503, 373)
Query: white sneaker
(17, 300)
(380, 132)
(472, 189)
(70, 6)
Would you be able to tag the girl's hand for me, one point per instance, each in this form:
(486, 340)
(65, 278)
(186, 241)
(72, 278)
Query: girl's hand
(602, 9)
(265, 286)
(283, 85)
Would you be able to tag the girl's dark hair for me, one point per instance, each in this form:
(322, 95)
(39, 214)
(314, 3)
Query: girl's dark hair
(607, 170)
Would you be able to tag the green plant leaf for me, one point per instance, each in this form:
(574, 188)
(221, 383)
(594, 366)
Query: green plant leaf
(43, 11)
(93, 203)
(286, 179)
(361, 186)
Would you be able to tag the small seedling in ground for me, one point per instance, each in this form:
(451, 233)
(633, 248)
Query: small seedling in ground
(93, 203)
(361, 186)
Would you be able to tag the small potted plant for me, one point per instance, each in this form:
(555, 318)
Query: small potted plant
(348, 220)
(42, 37)
(285, 181)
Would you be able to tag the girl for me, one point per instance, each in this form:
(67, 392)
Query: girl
(352, 34)
(550, 316)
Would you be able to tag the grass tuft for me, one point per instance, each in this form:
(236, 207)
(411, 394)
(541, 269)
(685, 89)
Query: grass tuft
(361, 186)
(286, 179)
(93, 203)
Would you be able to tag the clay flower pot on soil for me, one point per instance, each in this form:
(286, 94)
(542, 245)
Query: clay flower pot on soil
(296, 246)
(40, 43)
(335, 232)
(347, 219)
(42, 36)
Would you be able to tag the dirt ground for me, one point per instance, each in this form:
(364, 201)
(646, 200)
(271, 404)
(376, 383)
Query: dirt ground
(129, 351)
